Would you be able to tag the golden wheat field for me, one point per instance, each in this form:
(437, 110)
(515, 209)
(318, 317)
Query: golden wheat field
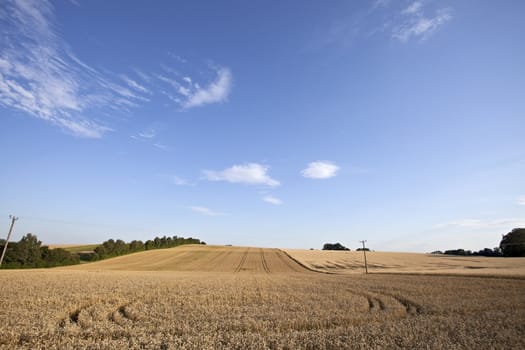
(352, 262)
(202, 297)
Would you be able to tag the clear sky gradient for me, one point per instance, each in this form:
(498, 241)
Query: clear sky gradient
(275, 124)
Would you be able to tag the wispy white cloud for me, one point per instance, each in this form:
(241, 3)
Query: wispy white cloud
(179, 181)
(178, 58)
(461, 223)
(148, 134)
(133, 84)
(417, 25)
(145, 77)
(380, 3)
(39, 74)
(320, 170)
(418, 19)
(42, 77)
(272, 200)
(188, 93)
(217, 91)
(83, 127)
(160, 146)
(482, 223)
(414, 7)
(249, 173)
(174, 179)
(521, 200)
(205, 211)
(145, 135)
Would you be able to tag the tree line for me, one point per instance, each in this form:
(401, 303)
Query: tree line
(512, 245)
(462, 252)
(30, 253)
(112, 248)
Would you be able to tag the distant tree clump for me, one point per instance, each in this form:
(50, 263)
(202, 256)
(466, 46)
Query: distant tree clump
(513, 243)
(29, 253)
(361, 249)
(462, 252)
(334, 246)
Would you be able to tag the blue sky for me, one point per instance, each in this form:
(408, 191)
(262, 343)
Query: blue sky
(276, 124)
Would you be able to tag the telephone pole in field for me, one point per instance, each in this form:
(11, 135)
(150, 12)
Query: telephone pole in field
(13, 219)
(364, 252)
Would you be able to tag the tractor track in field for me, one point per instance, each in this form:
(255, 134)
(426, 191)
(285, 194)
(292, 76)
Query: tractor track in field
(375, 304)
(73, 317)
(82, 316)
(123, 314)
(243, 260)
(290, 263)
(264, 263)
(387, 302)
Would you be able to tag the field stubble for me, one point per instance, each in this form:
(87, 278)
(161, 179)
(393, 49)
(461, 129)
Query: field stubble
(352, 262)
(259, 299)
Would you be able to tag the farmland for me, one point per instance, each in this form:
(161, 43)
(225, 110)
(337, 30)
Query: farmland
(345, 262)
(205, 297)
(75, 248)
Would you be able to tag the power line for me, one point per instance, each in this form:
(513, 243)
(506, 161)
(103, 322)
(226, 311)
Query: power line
(13, 219)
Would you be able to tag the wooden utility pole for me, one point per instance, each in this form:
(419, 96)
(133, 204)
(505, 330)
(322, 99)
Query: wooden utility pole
(13, 219)
(364, 252)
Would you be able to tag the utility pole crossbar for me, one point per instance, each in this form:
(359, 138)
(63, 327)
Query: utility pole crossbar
(364, 252)
(13, 219)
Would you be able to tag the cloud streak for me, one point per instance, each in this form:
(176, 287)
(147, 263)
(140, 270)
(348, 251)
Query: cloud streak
(215, 92)
(188, 93)
(320, 170)
(249, 173)
(272, 200)
(205, 211)
(481, 224)
(42, 77)
(417, 25)
(148, 134)
(396, 19)
(180, 181)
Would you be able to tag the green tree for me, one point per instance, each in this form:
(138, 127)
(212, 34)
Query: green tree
(57, 257)
(136, 246)
(28, 251)
(120, 247)
(513, 243)
(100, 251)
(334, 246)
(149, 244)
